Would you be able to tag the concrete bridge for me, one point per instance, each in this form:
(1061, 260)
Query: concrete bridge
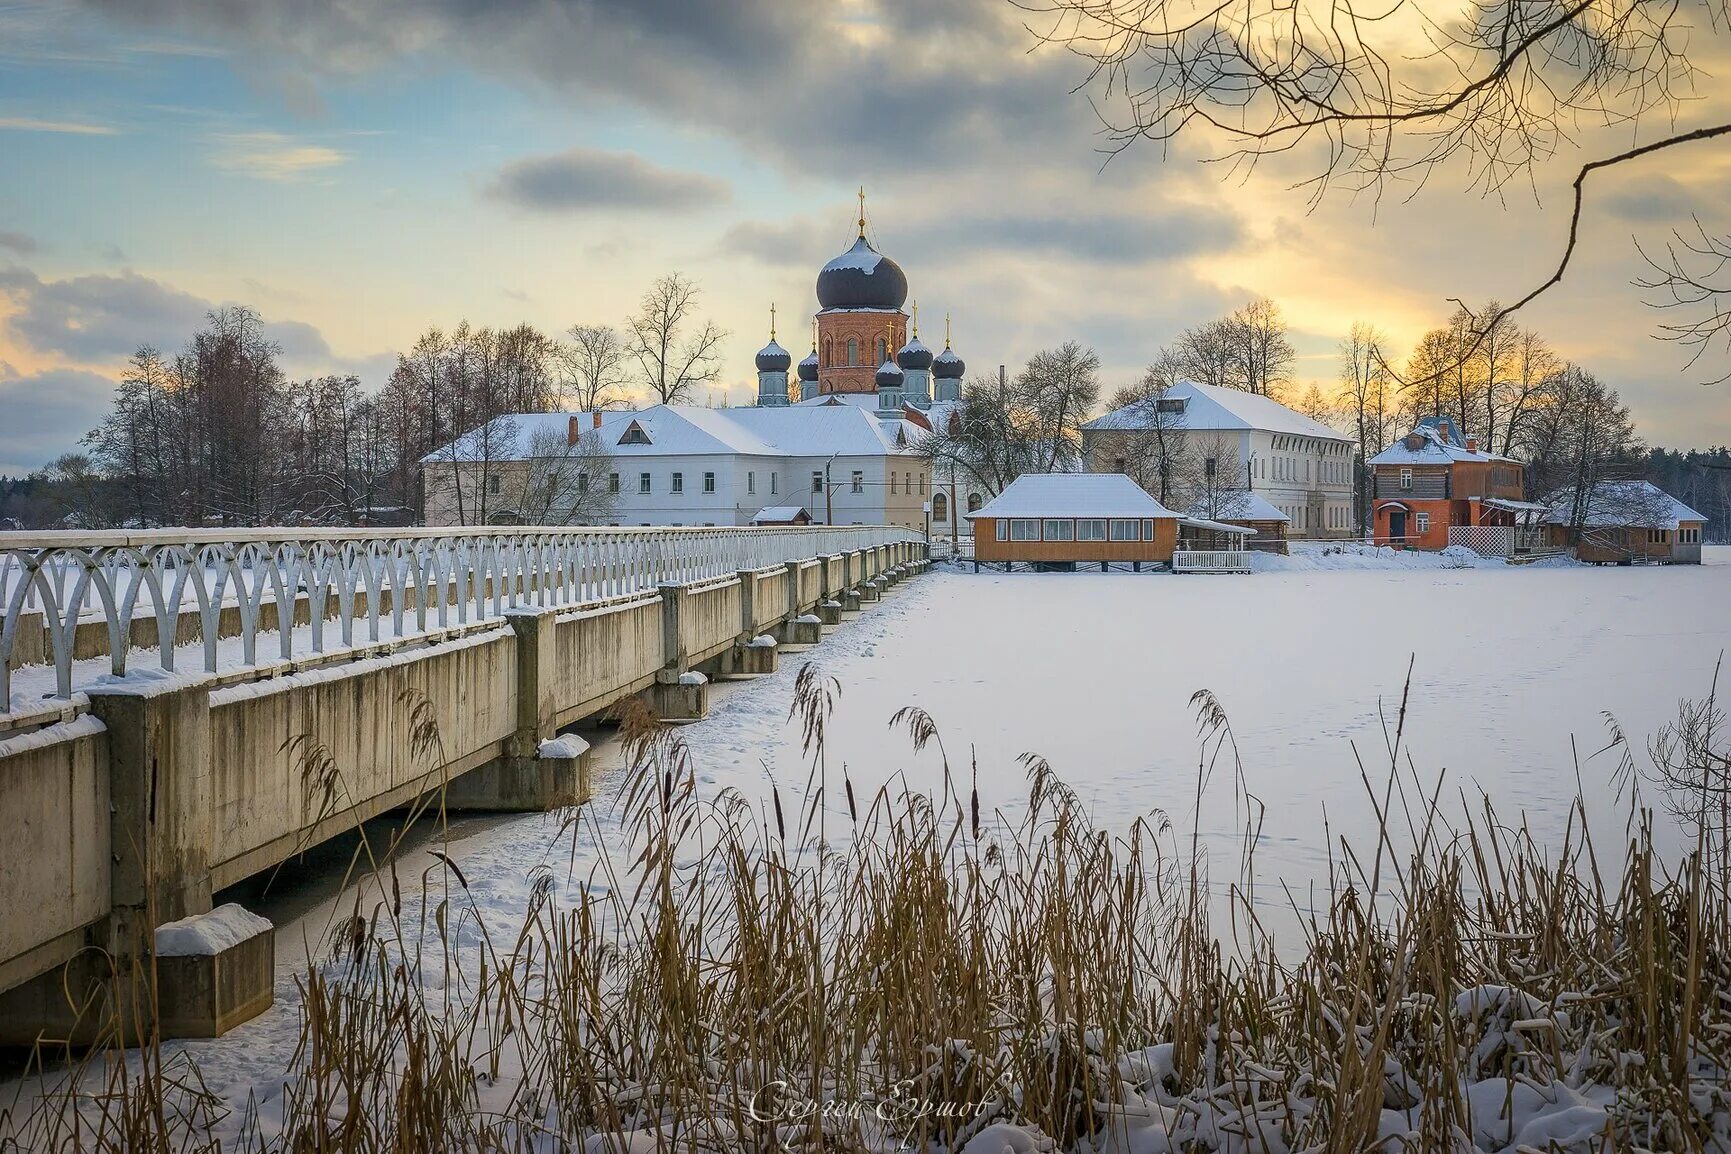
(129, 796)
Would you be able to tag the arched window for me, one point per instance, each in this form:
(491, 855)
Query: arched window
(940, 507)
(883, 351)
(828, 352)
(973, 502)
(852, 351)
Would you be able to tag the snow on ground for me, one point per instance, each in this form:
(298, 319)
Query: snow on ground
(1512, 668)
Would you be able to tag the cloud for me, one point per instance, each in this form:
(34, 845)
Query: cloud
(1657, 198)
(271, 156)
(63, 127)
(580, 179)
(18, 243)
(64, 404)
(97, 317)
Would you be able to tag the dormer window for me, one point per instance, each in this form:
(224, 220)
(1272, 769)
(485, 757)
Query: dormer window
(1171, 404)
(634, 434)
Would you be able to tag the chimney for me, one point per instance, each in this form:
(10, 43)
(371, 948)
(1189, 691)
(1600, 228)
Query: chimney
(1472, 444)
(596, 418)
(571, 430)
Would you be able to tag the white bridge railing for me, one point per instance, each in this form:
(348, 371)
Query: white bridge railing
(390, 582)
(1211, 561)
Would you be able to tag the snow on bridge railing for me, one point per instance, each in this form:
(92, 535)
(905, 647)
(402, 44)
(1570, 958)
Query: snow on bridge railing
(398, 581)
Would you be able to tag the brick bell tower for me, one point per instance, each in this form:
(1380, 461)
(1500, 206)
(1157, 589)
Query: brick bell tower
(860, 323)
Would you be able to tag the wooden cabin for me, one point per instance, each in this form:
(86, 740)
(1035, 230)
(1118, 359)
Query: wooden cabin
(1057, 520)
(1625, 523)
(1435, 488)
(1241, 507)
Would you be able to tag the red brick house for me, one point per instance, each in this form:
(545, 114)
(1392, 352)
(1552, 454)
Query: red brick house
(1434, 488)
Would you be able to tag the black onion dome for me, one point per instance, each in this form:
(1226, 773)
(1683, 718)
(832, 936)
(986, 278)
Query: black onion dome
(948, 366)
(889, 376)
(914, 355)
(808, 367)
(772, 358)
(861, 278)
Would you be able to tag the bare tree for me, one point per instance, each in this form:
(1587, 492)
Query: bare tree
(566, 481)
(593, 358)
(1146, 438)
(674, 350)
(1216, 489)
(1052, 396)
(1370, 403)
(1263, 355)
(1695, 272)
(1341, 87)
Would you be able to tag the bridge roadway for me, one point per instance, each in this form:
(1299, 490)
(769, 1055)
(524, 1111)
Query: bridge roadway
(127, 804)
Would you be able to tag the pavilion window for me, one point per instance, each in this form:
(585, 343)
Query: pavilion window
(1147, 530)
(1090, 529)
(1024, 530)
(1123, 530)
(1056, 529)
(1003, 529)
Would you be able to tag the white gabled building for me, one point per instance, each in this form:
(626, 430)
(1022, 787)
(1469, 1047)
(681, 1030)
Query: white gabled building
(1301, 467)
(682, 465)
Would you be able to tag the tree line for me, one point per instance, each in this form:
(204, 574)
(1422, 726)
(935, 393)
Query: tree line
(218, 434)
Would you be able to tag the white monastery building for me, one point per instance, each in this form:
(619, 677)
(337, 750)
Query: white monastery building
(1245, 442)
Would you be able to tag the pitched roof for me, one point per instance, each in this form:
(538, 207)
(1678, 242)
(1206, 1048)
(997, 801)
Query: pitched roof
(1209, 407)
(778, 514)
(1073, 495)
(1436, 450)
(1610, 504)
(688, 430)
(1238, 505)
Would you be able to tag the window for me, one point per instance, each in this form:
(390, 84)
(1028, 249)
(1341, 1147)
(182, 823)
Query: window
(828, 352)
(1406, 478)
(709, 482)
(892, 482)
(1090, 529)
(1210, 467)
(1123, 530)
(751, 482)
(634, 434)
(582, 482)
(817, 480)
(1003, 529)
(774, 483)
(1148, 530)
(883, 351)
(1689, 536)
(492, 482)
(1058, 530)
(858, 485)
(678, 483)
(852, 351)
(1422, 521)
(923, 480)
(613, 482)
(1170, 404)
(974, 502)
(643, 482)
(941, 508)
(1024, 530)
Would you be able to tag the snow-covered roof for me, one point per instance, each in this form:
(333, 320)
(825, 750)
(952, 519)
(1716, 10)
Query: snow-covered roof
(687, 430)
(777, 514)
(1215, 526)
(1238, 505)
(1610, 504)
(1208, 408)
(1433, 449)
(1073, 495)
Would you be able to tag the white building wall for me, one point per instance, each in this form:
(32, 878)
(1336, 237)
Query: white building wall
(1307, 478)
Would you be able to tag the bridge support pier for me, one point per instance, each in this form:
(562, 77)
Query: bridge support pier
(829, 611)
(680, 693)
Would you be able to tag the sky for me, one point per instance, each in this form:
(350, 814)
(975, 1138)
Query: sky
(360, 172)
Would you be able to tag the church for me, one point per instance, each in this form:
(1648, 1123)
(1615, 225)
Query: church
(865, 349)
(866, 352)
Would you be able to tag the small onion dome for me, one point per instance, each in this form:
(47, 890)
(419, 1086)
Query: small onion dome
(889, 376)
(948, 366)
(772, 358)
(808, 367)
(861, 278)
(914, 355)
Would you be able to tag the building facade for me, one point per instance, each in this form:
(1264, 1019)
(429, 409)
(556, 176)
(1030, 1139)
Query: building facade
(1224, 440)
(1066, 519)
(679, 465)
(1433, 480)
